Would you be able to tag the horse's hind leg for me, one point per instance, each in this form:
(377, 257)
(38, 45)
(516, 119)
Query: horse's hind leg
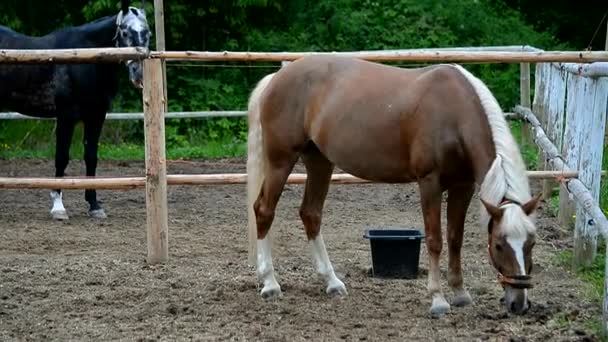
(459, 198)
(63, 139)
(430, 198)
(318, 170)
(276, 175)
(92, 131)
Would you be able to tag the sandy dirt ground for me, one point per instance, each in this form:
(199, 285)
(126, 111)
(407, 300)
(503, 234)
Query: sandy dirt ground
(87, 279)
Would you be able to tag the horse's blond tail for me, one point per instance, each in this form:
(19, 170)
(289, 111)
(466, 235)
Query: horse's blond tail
(256, 162)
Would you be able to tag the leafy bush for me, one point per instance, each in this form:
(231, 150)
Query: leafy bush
(279, 25)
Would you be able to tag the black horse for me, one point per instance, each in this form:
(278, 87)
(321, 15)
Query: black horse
(73, 92)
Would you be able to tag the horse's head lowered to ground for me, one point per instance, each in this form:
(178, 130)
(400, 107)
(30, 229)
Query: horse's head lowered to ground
(132, 31)
(511, 238)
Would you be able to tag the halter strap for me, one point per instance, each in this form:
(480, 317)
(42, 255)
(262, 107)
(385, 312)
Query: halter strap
(515, 281)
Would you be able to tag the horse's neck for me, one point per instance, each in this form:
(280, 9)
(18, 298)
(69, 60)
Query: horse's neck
(99, 33)
(482, 160)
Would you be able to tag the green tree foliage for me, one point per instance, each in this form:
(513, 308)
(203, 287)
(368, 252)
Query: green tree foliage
(281, 25)
(574, 22)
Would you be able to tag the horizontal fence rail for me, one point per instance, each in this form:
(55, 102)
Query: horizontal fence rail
(85, 55)
(173, 115)
(395, 56)
(125, 183)
(597, 69)
(140, 116)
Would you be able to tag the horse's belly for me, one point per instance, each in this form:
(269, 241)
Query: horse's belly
(371, 164)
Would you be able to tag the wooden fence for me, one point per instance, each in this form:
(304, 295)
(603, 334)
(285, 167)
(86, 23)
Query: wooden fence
(568, 117)
(581, 122)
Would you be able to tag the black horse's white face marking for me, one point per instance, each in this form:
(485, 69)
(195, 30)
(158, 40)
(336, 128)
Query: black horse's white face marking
(133, 31)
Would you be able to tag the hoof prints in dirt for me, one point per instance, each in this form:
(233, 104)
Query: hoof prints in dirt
(88, 280)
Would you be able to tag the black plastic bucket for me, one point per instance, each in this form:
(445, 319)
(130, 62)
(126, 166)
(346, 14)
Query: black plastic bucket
(395, 252)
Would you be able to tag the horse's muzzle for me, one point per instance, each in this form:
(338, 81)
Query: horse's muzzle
(136, 74)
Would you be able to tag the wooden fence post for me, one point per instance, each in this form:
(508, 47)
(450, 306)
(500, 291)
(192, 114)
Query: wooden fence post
(156, 168)
(159, 28)
(524, 99)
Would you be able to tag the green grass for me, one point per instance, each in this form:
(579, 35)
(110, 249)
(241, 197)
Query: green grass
(593, 276)
(208, 150)
(528, 152)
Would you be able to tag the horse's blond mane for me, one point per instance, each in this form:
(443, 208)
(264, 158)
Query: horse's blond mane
(507, 174)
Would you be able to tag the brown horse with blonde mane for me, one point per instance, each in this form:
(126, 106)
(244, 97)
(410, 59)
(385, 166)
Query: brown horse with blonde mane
(438, 126)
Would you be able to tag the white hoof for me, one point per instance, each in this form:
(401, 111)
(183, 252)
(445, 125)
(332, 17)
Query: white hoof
(99, 214)
(337, 288)
(59, 215)
(271, 292)
(439, 307)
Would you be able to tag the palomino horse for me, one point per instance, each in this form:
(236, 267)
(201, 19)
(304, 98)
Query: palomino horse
(438, 126)
(73, 92)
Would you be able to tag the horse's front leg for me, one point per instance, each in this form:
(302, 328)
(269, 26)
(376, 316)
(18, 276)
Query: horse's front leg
(430, 198)
(318, 170)
(459, 198)
(63, 139)
(92, 131)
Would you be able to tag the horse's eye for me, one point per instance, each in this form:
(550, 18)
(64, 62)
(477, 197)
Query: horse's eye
(498, 247)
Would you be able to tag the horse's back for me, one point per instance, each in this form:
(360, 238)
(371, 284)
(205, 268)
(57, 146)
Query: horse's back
(44, 90)
(400, 122)
(27, 89)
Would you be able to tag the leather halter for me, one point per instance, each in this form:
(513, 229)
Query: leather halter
(517, 281)
(514, 281)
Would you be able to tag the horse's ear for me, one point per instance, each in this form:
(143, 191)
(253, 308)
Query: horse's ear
(532, 204)
(493, 210)
(143, 5)
(124, 6)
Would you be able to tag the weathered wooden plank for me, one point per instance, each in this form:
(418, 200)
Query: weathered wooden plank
(557, 106)
(524, 97)
(538, 107)
(572, 139)
(556, 102)
(591, 160)
(591, 112)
